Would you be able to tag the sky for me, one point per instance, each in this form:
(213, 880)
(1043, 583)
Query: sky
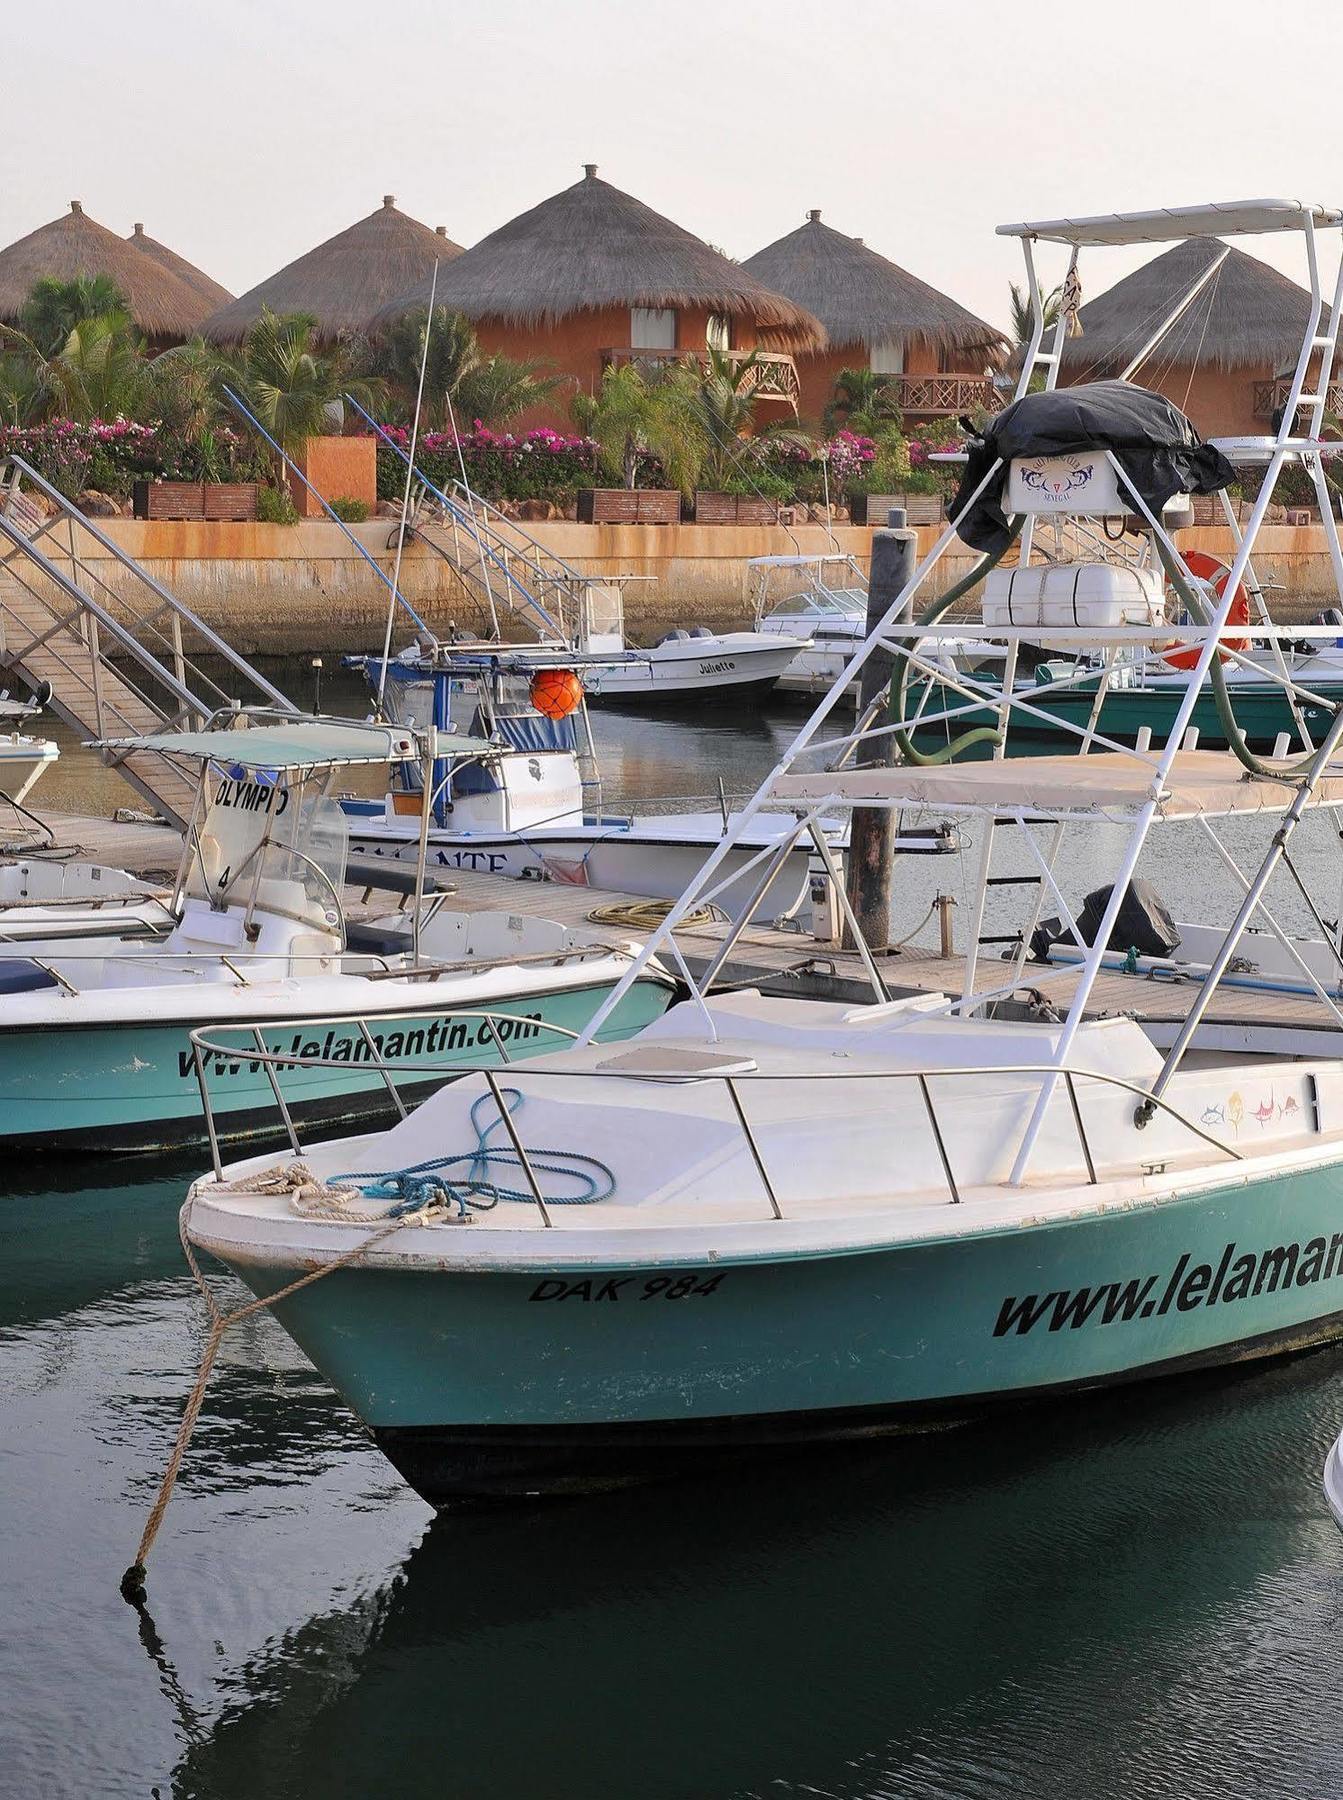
(243, 135)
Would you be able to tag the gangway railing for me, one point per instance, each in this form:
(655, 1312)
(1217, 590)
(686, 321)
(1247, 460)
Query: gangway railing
(121, 654)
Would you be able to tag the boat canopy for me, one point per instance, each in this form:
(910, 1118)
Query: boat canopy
(302, 744)
(1201, 784)
(1220, 218)
(1157, 447)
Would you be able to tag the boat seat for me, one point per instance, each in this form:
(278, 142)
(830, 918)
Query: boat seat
(378, 940)
(20, 976)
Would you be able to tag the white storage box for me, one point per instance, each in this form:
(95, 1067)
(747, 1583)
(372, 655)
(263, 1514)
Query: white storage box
(1083, 483)
(1066, 594)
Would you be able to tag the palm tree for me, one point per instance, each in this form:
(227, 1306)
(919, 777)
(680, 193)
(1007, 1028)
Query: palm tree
(293, 389)
(1023, 314)
(500, 387)
(864, 401)
(631, 418)
(54, 308)
(453, 354)
(101, 370)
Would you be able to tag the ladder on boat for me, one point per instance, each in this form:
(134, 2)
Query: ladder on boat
(119, 652)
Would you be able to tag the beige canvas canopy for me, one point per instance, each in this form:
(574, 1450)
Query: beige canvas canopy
(1108, 785)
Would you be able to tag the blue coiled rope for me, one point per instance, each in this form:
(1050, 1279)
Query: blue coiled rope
(428, 1183)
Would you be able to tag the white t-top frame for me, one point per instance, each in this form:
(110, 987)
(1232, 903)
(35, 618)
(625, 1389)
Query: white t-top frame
(1297, 789)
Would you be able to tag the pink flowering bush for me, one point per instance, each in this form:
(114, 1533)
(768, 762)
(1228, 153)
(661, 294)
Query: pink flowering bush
(110, 455)
(539, 464)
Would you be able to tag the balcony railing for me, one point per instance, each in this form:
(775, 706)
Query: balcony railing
(771, 376)
(1270, 395)
(944, 396)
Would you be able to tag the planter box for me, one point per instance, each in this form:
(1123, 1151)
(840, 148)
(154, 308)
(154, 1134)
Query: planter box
(629, 506)
(735, 509)
(168, 499)
(339, 468)
(195, 499)
(920, 509)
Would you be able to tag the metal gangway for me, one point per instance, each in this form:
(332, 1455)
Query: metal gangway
(120, 653)
(505, 572)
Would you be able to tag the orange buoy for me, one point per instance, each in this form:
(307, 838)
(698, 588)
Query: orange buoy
(1207, 568)
(555, 693)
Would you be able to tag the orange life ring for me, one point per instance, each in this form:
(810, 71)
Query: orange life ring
(1207, 568)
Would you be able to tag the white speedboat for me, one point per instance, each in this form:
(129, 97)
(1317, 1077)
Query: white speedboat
(819, 603)
(43, 897)
(94, 1038)
(764, 1222)
(695, 667)
(526, 801)
(24, 759)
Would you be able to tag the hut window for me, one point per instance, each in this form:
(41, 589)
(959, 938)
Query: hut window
(887, 359)
(718, 333)
(652, 328)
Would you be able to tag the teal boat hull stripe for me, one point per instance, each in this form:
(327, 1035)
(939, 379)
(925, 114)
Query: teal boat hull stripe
(134, 1086)
(1231, 1271)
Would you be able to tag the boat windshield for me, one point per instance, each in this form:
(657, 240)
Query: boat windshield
(273, 844)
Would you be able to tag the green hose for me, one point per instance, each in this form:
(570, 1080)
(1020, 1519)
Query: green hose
(1235, 737)
(982, 734)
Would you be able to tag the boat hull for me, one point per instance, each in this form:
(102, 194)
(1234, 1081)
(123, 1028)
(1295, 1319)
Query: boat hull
(727, 670)
(131, 1085)
(1260, 709)
(586, 1375)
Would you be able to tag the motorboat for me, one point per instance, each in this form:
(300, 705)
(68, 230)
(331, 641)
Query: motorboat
(69, 897)
(513, 579)
(693, 667)
(526, 802)
(24, 758)
(763, 1222)
(95, 1051)
(819, 603)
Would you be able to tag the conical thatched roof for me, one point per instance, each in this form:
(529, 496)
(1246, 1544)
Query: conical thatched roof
(344, 281)
(860, 297)
(210, 292)
(1248, 315)
(161, 303)
(593, 246)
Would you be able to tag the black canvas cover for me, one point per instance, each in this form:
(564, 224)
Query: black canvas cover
(1144, 924)
(1157, 447)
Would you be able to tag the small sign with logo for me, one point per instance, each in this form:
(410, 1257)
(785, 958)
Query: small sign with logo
(1083, 482)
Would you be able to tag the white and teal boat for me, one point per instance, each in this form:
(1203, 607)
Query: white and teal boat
(95, 1051)
(763, 1221)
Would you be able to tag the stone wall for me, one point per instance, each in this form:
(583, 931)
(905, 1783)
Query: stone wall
(278, 589)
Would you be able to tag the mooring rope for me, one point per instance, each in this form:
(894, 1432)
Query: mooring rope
(421, 1193)
(133, 1581)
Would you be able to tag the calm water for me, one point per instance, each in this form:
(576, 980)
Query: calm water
(1136, 1597)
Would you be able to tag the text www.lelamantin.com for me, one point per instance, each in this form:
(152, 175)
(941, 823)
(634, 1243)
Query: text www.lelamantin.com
(1242, 1276)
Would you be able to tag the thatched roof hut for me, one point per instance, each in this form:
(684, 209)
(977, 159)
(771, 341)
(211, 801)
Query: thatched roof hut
(162, 305)
(1248, 316)
(210, 291)
(862, 298)
(345, 281)
(593, 247)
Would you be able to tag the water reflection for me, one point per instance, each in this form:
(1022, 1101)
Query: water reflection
(1067, 1604)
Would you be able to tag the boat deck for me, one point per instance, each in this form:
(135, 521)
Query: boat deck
(782, 962)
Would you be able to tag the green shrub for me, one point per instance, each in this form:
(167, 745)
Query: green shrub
(274, 506)
(354, 512)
